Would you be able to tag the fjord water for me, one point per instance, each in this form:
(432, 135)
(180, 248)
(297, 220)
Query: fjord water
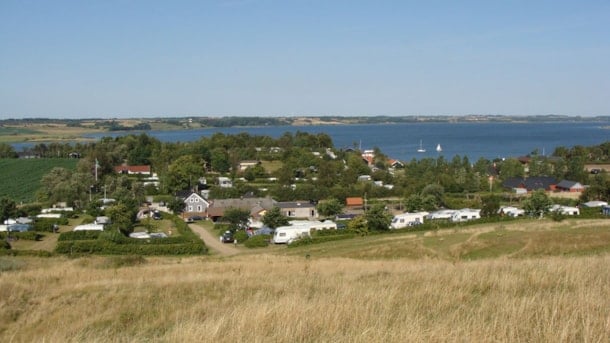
(401, 141)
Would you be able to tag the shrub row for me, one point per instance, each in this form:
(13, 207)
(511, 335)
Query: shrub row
(115, 243)
(27, 235)
(46, 224)
(35, 253)
(320, 239)
(78, 235)
(257, 241)
(110, 248)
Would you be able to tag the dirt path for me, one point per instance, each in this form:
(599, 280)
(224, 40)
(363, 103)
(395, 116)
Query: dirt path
(213, 242)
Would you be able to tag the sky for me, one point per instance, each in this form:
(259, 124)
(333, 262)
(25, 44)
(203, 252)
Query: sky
(131, 58)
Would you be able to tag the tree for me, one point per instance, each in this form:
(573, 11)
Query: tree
(378, 218)
(8, 208)
(413, 203)
(274, 218)
(237, 218)
(176, 205)
(358, 225)
(491, 205)
(122, 217)
(330, 208)
(183, 173)
(537, 204)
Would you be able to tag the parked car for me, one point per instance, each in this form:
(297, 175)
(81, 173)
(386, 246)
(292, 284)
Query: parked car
(227, 237)
(156, 215)
(193, 218)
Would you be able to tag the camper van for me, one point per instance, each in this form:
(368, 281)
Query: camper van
(441, 214)
(465, 215)
(300, 228)
(403, 220)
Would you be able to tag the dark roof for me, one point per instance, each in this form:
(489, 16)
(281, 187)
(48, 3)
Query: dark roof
(530, 183)
(183, 194)
(566, 184)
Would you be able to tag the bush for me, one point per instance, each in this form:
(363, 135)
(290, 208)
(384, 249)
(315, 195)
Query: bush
(320, 239)
(222, 227)
(257, 241)
(46, 224)
(241, 236)
(79, 235)
(4, 245)
(27, 235)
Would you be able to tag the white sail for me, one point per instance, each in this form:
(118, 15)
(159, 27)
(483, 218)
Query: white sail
(439, 148)
(421, 147)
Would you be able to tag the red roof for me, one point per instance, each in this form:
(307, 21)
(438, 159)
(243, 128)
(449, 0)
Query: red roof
(354, 201)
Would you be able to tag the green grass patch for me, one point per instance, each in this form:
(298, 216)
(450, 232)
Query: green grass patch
(20, 178)
(15, 131)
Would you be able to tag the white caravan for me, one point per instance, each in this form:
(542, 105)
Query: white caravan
(300, 228)
(465, 215)
(511, 211)
(566, 210)
(441, 214)
(407, 219)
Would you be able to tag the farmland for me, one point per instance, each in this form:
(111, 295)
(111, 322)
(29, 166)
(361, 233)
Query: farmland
(21, 177)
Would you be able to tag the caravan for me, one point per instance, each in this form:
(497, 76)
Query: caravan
(300, 228)
(465, 215)
(407, 219)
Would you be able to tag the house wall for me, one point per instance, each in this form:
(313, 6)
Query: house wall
(309, 212)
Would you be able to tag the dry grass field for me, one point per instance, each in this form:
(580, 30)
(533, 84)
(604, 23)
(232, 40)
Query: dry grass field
(273, 298)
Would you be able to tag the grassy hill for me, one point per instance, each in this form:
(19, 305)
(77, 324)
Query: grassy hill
(523, 281)
(20, 178)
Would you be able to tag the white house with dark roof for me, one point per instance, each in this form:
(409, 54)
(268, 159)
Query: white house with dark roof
(195, 204)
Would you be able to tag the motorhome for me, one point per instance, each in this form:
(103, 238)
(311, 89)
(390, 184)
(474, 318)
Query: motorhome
(466, 214)
(407, 219)
(300, 228)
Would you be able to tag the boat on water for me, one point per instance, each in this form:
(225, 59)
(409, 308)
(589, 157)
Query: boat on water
(421, 147)
(439, 148)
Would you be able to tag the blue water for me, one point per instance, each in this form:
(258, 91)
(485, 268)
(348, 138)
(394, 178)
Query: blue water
(401, 141)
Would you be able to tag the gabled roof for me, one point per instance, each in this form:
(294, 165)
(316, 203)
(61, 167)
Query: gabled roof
(567, 184)
(531, 183)
(245, 203)
(196, 196)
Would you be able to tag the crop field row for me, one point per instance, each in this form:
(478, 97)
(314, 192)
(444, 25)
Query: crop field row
(20, 178)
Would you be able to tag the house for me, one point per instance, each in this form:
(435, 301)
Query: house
(195, 204)
(299, 209)
(396, 163)
(569, 186)
(354, 202)
(132, 170)
(243, 165)
(546, 183)
(257, 206)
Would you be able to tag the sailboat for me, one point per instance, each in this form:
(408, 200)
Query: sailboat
(439, 148)
(421, 147)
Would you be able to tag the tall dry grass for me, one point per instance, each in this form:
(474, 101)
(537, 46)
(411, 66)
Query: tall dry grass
(292, 299)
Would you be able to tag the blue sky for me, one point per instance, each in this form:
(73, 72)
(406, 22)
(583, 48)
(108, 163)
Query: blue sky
(81, 59)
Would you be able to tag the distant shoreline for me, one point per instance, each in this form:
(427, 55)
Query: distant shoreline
(46, 130)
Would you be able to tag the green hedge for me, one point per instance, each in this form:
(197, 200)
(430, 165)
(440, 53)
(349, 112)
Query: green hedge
(110, 248)
(320, 239)
(46, 224)
(257, 241)
(36, 253)
(27, 235)
(115, 243)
